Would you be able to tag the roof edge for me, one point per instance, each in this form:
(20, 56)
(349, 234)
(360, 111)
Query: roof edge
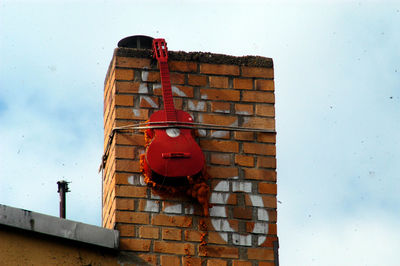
(54, 226)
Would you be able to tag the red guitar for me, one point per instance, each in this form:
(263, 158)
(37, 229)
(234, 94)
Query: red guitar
(172, 152)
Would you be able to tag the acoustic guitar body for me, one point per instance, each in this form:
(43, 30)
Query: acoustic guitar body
(173, 152)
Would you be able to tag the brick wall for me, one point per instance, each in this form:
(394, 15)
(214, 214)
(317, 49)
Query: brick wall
(214, 89)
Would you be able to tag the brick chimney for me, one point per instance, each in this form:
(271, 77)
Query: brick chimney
(214, 89)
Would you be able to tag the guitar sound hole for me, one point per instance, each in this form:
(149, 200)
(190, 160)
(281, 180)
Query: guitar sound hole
(172, 181)
(173, 132)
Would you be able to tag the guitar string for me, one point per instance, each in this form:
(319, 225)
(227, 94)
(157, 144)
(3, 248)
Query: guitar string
(175, 124)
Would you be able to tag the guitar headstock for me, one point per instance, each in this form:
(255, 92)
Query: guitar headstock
(160, 51)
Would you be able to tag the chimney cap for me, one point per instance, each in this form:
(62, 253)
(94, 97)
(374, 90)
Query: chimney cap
(136, 41)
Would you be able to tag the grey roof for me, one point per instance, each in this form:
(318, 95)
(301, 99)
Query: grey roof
(54, 226)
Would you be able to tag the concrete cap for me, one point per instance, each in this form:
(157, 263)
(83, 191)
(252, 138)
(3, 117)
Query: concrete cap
(54, 226)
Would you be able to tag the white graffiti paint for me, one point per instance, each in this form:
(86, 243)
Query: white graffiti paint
(200, 106)
(222, 134)
(136, 180)
(143, 88)
(136, 112)
(175, 208)
(145, 75)
(174, 89)
(150, 101)
(218, 213)
(202, 132)
(242, 113)
(189, 210)
(178, 91)
(152, 206)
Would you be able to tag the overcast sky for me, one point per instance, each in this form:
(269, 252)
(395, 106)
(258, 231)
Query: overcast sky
(337, 69)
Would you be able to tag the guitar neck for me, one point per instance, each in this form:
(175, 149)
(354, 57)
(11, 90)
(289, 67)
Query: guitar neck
(167, 92)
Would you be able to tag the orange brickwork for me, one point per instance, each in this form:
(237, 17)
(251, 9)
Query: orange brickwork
(214, 89)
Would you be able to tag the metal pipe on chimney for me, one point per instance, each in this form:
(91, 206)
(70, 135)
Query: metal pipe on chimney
(62, 189)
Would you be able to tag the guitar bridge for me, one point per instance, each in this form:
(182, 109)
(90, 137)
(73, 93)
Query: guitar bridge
(171, 155)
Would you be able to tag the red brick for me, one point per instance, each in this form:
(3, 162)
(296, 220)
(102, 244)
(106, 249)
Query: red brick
(150, 259)
(232, 200)
(173, 248)
(149, 232)
(122, 178)
(126, 152)
(219, 69)
(257, 122)
(197, 80)
(267, 188)
(258, 97)
(190, 261)
(169, 220)
(272, 229)
(193, 236)
(244, 109)
(124, 74)
(151, 76)
(130, 191)
(178, 103)
(265, 110)
(266, 162)
(220, 158)
(170, 260)
(220, 107)
(130, 113)
(216, 262)
(259, 148)
(177, 78)
(215, 238)
(219, 145)
(244, 160)
(134, 244)
(132, 217)
(171, 234)
(220, 94)
(242, 213)
(219, 251)
(272, 215)
(184, 91)
(126, 230)
(265, 263)
(266, 137)
(243, 84)
(123, 100)
(125, 204)
(127, 87)
(241, 263)
(243, 135)
(149, 102)
(260, 254)
(218, 82)
(260, 174)
(132, 62)
(129, 139)
(124, 165)
(182, 66)
(257, 72)
(218, 119)
(222, 172)
(265, 85)
(269, 201)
